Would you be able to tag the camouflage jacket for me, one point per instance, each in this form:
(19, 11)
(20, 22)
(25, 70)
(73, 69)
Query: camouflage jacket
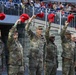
(51, 52)
(51, 48)
(67, 45)
(75, 53)
(37, 44)
(15, 49)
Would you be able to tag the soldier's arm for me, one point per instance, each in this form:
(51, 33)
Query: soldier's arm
(75, 54)
(64, 30)
(27, 27)
(47, 32)
(11, 32)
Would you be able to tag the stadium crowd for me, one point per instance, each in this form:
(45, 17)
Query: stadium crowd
(39, 3)
(17, 7)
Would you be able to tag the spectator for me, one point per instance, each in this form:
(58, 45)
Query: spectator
(31, 3)
(22, 4)
(43, 5)
(37, 4)
(50, 5)
(54, 6)
(9, 4)
(67, 8)
(60, 5)
(10, 7)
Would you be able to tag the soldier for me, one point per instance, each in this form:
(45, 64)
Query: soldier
(15, 59)
(1, 54)
(68, 52)
(74, 39)
(75, 55)
(51, 53)
(36, 49)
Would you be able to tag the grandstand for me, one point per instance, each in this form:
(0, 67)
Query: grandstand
(13, 14)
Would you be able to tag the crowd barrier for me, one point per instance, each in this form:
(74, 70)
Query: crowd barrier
(18, 10)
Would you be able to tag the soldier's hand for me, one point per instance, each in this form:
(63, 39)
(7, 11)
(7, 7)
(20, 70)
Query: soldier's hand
(34, 16)
(66, 23)
(18, 21)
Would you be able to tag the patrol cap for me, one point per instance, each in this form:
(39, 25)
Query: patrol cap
(24, 17)
(40, 28)
(68, 33)
(40, 15)
(2, 16)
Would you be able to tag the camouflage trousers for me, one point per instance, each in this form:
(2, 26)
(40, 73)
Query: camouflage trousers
(35, 67)
(15, 70)
(50, 69)
(67, 67)
(35, 63)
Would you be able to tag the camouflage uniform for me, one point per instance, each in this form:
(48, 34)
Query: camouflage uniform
(15, 63)
(51, 55)
(75, 56)
(1, 55)
(36, 53)
(75, 52)
(67, 54)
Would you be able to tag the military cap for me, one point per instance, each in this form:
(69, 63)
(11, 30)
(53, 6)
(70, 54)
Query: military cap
(24, 17)
(40, 15)
(2, 16)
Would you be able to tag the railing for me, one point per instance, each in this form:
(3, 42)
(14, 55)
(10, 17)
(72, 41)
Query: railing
(18, 10)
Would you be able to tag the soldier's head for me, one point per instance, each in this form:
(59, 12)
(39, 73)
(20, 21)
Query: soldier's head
(52, 38)
(15, 35)
(39, 30)
(68, 35)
